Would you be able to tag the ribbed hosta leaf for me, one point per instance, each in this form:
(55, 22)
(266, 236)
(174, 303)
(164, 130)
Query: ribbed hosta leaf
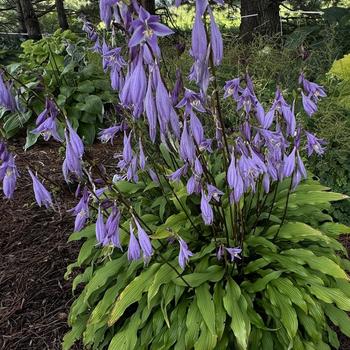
(132, 293)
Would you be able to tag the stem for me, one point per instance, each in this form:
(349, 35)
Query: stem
(285, 208)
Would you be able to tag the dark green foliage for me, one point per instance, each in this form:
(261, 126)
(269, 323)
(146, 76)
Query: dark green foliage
(290, 286)
(63, 67)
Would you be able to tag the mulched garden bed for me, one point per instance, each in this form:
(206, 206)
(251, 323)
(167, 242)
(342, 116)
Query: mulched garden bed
(34, 254)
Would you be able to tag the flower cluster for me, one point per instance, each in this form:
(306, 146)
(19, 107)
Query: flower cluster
(266, 149)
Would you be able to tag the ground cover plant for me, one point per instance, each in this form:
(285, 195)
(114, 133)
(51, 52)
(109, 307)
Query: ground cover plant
(208, 215)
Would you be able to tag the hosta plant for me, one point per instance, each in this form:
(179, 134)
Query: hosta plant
(209, 234)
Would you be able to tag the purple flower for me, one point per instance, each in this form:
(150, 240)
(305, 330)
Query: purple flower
(289, 164)
(234, 253)
(312, 89)
(147, 28)
(310, 106)
(134, 252)
(108, 134)
(199, 39)
(100, 228)
(206, 209)
(187, 149)
(233, 88)
(6, 98)
(216, 40)
(184, 254)
(50, 111)
(150, 110)
(142, 156)
(235, 181)
(214, 193)
(9, 174)
(89, 29)
(75, 141)
(127, 150)
(191, 100)
(284, 109)
(145, 242)
(314, 144)
(47, 129)
(106, 11)
(81, 211)
(197, 129)
(177, 174)
(4, 154)
(42, 195)
(74, 153)
(112, 228)
(246, 100)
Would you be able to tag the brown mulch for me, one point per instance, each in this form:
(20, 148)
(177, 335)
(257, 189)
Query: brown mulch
(34, 253)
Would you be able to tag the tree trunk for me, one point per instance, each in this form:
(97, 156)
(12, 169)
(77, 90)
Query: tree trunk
(30, 20)
(21, 25)
(263, 18)
(61, 14)
(149, 5)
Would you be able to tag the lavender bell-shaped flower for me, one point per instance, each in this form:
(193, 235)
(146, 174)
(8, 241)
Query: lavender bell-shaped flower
(142, 158)
(109, 134)
(81, 211)
(314, 144)
(9, 174)
(147, 28)
(234, 253)
(112, 228)
(6, 98)
(100, 228)
(134, 251)
(233, 88)
(187, 148)
(184, 254)
(42, 195)
(150, 110)
(216, 40)
(313, 90)
(206, 209)
(197, 129)
(145, 242)
(310, 106)
(289, 164)
(199, 39)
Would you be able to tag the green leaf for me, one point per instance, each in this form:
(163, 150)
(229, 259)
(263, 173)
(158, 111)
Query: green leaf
(320, 263)
(286, 287)
(206, 340)
(75, 333)
(206, 306)
(31, 139)
(260, 284)
(220, 313)
(331, 295)
(311, 197)
(163, 276)
(128, 187)
(193, 322)
(87, 250)
(93, 105)
(102, 275)
(231, 305)
(87, 232)
(132, 293)
(339, 318)
(213, 274)
(87, 132)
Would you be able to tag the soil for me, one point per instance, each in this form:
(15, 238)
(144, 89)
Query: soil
(34, 297)
(34, 254)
